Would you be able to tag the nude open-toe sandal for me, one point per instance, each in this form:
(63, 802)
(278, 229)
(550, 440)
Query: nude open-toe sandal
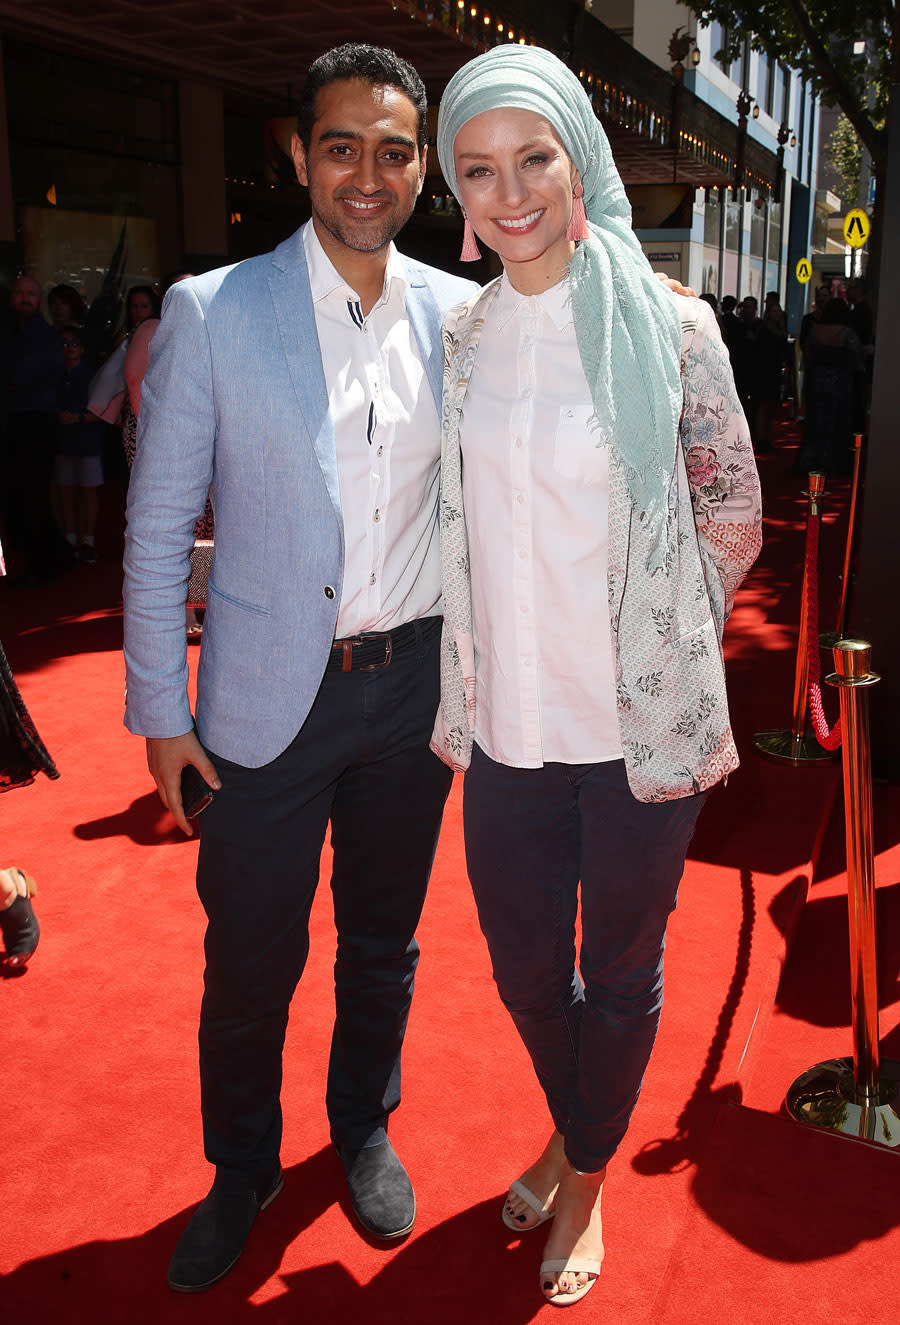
(578, 1266)
(543, 1212)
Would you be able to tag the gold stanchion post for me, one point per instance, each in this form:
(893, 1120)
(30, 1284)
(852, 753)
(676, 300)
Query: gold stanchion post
(829, 638)
(857, 1096)
(799, 745)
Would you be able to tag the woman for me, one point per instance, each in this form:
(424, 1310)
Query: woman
(137, 361)
(591, 434)
(66, 306)
(22, 756)
(141, 302)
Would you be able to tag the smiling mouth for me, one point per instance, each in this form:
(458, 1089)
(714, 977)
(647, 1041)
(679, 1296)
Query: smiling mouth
(364, 205)
(521, 222)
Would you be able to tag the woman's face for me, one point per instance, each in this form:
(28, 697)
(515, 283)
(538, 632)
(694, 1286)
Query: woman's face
(140, 307)
(515, 185)
(61, 311)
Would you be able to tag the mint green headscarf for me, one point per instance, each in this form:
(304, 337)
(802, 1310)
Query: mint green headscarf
(626, 322)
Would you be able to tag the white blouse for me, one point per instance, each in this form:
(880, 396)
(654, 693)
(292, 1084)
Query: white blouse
(536, 491)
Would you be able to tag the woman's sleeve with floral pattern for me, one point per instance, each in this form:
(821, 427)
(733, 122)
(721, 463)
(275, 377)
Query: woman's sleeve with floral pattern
(718, 453)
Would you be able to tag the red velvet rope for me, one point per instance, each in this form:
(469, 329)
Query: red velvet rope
(829, 740)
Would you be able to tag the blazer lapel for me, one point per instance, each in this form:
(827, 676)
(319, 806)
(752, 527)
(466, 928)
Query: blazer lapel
(288, 280)
(425, 318)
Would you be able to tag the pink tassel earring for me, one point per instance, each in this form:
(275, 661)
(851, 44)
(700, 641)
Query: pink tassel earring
(470, 250)
(578, 227)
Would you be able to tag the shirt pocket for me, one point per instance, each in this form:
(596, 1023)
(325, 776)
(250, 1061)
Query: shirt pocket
(579, 452)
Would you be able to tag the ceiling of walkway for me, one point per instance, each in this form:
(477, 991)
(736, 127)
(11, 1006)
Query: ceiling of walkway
(258, 51)
(260, 47)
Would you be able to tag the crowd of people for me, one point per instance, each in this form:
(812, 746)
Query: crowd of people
(825, 372)
(52, 431)
(524, 509)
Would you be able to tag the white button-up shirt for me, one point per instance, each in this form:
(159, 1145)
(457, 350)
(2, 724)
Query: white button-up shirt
(387, 437)
(536, 490)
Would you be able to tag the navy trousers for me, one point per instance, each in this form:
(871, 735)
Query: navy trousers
(532, 835)
(361, 761)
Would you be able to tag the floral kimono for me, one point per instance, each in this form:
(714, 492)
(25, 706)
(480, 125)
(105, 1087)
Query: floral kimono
(666, 626)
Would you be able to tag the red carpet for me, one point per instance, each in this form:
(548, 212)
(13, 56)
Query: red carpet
(716, 1211)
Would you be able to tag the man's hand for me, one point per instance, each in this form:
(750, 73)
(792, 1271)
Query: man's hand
(166, 757)
(675, 286)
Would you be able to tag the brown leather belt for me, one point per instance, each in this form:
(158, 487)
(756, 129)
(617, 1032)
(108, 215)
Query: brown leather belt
(375, 649)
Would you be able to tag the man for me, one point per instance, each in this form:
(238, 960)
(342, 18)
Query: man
(34, 369)
(303, 389)
(730, 323)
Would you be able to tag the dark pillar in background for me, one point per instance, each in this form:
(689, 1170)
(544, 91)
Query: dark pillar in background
(203, 194)
(876, 615)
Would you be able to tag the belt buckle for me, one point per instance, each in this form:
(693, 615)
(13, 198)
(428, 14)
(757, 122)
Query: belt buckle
(388, 654)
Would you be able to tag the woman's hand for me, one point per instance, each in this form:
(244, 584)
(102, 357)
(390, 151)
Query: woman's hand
(675, 286)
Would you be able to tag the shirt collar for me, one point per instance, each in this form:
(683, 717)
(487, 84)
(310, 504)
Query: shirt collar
(555, 303)
(325, 279)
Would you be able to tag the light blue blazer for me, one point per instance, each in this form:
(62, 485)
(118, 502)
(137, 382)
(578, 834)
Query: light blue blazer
(235, 402)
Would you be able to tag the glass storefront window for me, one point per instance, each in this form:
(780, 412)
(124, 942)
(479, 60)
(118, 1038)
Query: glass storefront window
(775, 221)
(732, 223)
(93, 160)
(712, 213)
(757, 225)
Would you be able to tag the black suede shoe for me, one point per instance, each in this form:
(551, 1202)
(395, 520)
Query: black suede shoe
(21, 931)
(214, 1239)
(380, 1190)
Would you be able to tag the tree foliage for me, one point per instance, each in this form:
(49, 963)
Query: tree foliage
(844, 155)
(816, 37)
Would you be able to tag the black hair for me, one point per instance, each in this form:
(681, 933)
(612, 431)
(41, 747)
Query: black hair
(74, 333)
(709, 298)
(71, 296)
(729, 303)
(173, 277)
(372, 64)
(151, 294)
(836, 313)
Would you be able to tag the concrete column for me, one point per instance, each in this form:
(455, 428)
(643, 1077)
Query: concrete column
(203, 196)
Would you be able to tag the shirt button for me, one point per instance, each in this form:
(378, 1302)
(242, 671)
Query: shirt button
(519, 442)
(328, 591)
(372, 579)
(520, 498)
(377, 516)
(526, 394)
(380, 451)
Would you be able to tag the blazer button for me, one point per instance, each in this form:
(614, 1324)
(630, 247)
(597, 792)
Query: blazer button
(329, 592)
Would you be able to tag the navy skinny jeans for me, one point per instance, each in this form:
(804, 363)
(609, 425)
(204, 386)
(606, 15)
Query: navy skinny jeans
(532, 836)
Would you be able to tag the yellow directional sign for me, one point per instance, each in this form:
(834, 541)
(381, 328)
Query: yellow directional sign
(804, 270)
(856, 227)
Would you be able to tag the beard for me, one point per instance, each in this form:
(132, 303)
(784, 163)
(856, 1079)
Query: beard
(365, 237)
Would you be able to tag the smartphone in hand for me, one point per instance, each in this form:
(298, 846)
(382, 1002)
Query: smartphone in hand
(196, 794)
